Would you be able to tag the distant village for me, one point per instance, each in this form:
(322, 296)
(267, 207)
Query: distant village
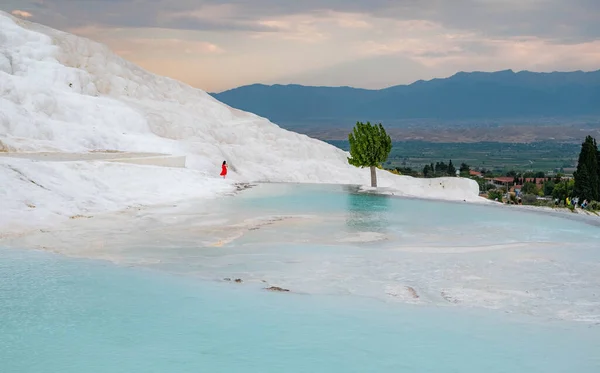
(514, 188)
(552, 189)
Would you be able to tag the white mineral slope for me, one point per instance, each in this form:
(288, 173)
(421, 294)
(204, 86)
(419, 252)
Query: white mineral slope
(63, 93)
(41, 194)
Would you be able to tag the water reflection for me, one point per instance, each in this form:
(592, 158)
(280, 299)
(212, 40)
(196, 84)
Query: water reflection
(367, 212)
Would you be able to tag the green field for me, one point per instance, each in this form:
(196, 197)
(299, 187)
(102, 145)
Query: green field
(547, 156)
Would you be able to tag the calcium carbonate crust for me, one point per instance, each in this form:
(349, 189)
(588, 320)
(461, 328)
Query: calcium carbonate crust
(63, 93)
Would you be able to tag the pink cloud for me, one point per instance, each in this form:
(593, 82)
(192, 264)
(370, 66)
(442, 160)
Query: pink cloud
(300, 28)
(175, 45)
(125, 44)
(21, 13)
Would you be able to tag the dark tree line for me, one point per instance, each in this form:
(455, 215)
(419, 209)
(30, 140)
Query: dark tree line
(439, 169)
(587, 176)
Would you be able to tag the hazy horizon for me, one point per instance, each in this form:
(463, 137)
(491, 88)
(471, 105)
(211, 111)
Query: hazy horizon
(219, 45)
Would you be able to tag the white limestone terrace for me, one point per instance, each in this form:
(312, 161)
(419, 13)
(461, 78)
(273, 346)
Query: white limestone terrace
(151, 159)
(68, 105)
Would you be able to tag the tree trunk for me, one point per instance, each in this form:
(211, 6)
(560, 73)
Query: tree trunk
(373, 176)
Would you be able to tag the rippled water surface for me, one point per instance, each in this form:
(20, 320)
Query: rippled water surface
(376, 284)
(71, 316)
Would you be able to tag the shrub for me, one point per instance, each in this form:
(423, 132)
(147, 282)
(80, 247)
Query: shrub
(529, 199)
(594, 206)
(546, 204)
(548, 188)
(529, 188)
(493, 194)
(489, 187)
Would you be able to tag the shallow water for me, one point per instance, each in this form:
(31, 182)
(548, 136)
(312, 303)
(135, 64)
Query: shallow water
(377, 284)
(72, 315)
(331, 240)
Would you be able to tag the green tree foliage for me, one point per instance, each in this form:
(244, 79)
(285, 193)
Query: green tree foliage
(529, 199)
(587, 176)
(441, 168)
(529, 188)
(370, 146)
(427, 171)
(483, 185)
(488, 186)
(548, 187)
(493, 194)
(598, 158)
(451, 169)
(594, 206)
(407, 171)
(563, 189)
(464, 168)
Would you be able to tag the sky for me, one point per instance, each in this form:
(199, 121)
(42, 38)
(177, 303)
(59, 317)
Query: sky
(221, 44)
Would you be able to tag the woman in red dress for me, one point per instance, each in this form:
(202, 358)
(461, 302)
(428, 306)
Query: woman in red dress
(224, 169)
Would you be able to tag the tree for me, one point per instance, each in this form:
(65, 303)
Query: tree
(407, 171)
(529, 188)
(441, 168)
(598, 158)
(451, 169)
(464, 168)
(587, 176)
(495, 194)
(548, 187)
(563, 189)
(557, 178)
(370, 145)
(483, 185)
(426, 170)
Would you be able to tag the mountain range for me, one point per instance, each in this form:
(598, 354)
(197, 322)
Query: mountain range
(463, 96)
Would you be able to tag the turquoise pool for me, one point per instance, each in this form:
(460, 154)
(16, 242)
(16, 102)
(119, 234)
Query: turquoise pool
(71, 316)
(377, 284)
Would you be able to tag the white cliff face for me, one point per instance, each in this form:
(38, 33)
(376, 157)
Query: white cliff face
(62, 93)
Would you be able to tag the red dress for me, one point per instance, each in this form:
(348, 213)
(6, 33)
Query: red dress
(224, 170)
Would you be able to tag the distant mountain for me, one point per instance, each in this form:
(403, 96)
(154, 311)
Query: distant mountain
(463, 96)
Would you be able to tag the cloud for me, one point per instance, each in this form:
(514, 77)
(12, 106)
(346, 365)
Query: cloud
(574, 19)
(21, 13)
(219, 17)
(363, 42)
(570, 21)
(175, 46)
(348, 20)
(127, 44)
(297, 27)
